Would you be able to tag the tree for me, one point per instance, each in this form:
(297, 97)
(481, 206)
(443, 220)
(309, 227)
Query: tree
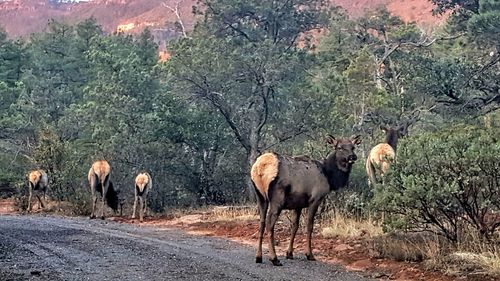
(445, 182)
(479, 55)
(243, 60)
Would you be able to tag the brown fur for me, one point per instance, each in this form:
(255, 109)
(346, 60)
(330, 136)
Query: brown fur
(35, 176)
(141, 181)
(101, 168)
(383, 155)
(37, 181)
(143, 184)
(379, 160)
(264, 171)
(99, 181)
(294, 183)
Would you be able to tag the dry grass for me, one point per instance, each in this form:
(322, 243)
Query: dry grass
(487, 263)
(473, 256)
(234, 213)
(337, 225)
(409, 247)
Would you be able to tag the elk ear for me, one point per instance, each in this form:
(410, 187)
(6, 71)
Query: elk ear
(331, 140)
(356, 139)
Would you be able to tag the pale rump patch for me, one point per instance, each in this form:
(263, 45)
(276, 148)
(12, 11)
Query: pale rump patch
(142, 180)
(264, 171)
(35, 176)
(101, 168)
(381, 156)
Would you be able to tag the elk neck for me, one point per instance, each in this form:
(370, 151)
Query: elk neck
(336, 177)
(392, 139)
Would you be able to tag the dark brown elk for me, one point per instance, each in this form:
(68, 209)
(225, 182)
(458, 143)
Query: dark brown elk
(99, 181)
(38, 183)
(143, 184)
(293, 183)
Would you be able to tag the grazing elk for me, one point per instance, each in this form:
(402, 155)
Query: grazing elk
(100, 182)
(383, 154)
(293, 183)
(37, 182)
(143, 184)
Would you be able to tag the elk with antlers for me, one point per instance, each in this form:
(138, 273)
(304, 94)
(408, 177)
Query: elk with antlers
(383, 154)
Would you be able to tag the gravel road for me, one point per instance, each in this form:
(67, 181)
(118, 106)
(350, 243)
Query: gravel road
(60, 248)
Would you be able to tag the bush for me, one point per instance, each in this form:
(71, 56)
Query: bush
(445, 182)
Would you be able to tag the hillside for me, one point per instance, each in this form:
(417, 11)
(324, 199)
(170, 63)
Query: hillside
(23, 17)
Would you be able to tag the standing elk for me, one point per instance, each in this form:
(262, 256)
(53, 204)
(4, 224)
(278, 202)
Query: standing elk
(143, 184)
(383, 154)
(100, 182)
(293, 183)
(37, 182)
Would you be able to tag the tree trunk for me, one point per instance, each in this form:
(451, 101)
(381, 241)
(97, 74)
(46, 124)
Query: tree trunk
(252, 155)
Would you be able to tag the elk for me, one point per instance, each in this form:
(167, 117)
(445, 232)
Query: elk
(383, 154)
(143, 184)
(293, 183)
(38, 182)
(99, 181)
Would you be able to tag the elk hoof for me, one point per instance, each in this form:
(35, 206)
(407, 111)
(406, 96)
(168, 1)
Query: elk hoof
(258, 259)
(102, 218)
(92, 217)
(310, 257)
(276, 262)
(289, 255)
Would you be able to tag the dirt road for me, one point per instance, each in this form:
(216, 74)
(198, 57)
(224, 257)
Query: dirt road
(59, 248)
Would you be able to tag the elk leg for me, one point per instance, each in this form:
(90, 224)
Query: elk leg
(310, 225)
(141, 209)
(29, 198)
(145, 205)
(135, 203)
(94, 203)
(42, 205)
(263, 204)
(295, 226)
(103, 199)
(274, 213)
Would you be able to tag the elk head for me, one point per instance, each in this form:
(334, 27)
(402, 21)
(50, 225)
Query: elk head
(344, 151)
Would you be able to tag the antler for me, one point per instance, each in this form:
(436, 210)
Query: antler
(377, 118)
(413, 117)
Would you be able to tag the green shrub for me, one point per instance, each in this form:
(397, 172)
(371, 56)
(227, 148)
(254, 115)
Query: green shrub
(445, 182)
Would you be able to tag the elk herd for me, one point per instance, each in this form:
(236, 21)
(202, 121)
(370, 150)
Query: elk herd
(281, 182)
(100, 186)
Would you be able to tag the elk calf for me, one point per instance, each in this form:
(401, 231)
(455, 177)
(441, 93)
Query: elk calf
(143, 184)
(294, 183)
(38, 182)
(100, 182)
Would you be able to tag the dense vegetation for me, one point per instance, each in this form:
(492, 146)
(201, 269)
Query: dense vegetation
(256, 76)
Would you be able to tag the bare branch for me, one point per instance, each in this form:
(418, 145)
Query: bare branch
(175, 10)
(426, 42)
